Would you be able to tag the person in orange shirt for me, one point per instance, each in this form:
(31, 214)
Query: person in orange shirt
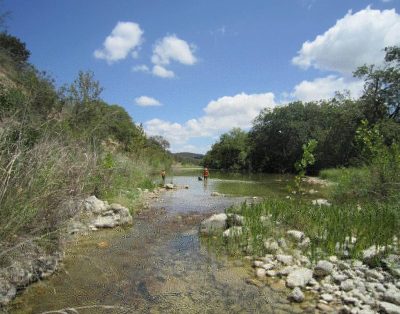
(205, 173)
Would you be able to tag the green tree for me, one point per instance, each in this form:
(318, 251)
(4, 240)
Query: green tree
(381, 95)
(230, 152)
(14, 47)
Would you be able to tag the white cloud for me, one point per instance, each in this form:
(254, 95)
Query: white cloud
(220, 116)
(160, 71)
(354, 40)
(125, 38)
(325, 88)
(172, 48)
(146, 101)
(141, 68)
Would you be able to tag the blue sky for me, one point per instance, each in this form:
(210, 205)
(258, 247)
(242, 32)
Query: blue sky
(191, 70)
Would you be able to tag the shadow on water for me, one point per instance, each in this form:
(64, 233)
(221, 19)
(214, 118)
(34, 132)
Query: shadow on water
(159, 265)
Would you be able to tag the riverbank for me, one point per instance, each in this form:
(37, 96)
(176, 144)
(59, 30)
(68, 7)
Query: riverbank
(35, 259)
(343, 259)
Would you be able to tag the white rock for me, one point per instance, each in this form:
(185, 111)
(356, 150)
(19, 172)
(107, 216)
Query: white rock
(169, 186)
(296, 295)
(392, 296)
(372, 273)
(285, 259)
(299, 277)
(214, 224)
(327, 297)
(94, 205)
(305, 243)
(271, 273)
(323, 268)
(321, 202)
(268, 266)
(287, 270)
(105, 222)
(260, 272)
(257, 263)
(232, 232)
(295, 235)
(338, 277)
(389, 308)
(347, 285)
(216, 194)
(271, 245)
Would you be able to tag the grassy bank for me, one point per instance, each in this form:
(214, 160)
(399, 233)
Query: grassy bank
(59, 145)
(330, 228)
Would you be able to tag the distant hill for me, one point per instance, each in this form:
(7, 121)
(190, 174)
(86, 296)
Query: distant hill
(188, 158)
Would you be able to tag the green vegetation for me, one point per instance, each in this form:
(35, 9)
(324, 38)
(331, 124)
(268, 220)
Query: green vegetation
(355, 145)
(57, 146)
(230, 152)
(275, 141)
(330, 229)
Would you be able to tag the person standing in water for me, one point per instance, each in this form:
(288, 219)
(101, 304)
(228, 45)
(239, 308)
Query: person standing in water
(205, 173)
(163, 176)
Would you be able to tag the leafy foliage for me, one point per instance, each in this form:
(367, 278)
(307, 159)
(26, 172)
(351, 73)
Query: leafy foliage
(230, 152)
(14, 47)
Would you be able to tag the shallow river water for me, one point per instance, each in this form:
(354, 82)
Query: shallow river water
(160, 264)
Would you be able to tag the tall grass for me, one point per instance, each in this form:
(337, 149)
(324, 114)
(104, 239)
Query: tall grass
(330, 228)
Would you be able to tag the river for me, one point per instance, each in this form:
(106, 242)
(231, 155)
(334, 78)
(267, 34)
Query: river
(160, 264)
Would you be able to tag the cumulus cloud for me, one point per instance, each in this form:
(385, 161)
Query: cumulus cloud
(146, 101)
(354, 40)
(125, 38)
(172, 48)
(325, 88)
(220, 116)
(160, 71)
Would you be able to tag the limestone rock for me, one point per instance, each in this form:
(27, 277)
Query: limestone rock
(296, 235)
(392, 296)
(347, 285)
(285, 259)
(271, 245)
(94, 205)
(323, 268)
(260, 272)
(235, 220)
(299, 277)
(214, 224)
(389, 308)
(105, 222)
(321, 202)
(232, 232)
(297, 295)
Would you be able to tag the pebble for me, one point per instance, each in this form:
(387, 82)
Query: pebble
(347, 285)
(296, 295)
(260, 272)
(327, 297)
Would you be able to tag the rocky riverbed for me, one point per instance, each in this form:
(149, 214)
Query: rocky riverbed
(345, 286)
(29, 262)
